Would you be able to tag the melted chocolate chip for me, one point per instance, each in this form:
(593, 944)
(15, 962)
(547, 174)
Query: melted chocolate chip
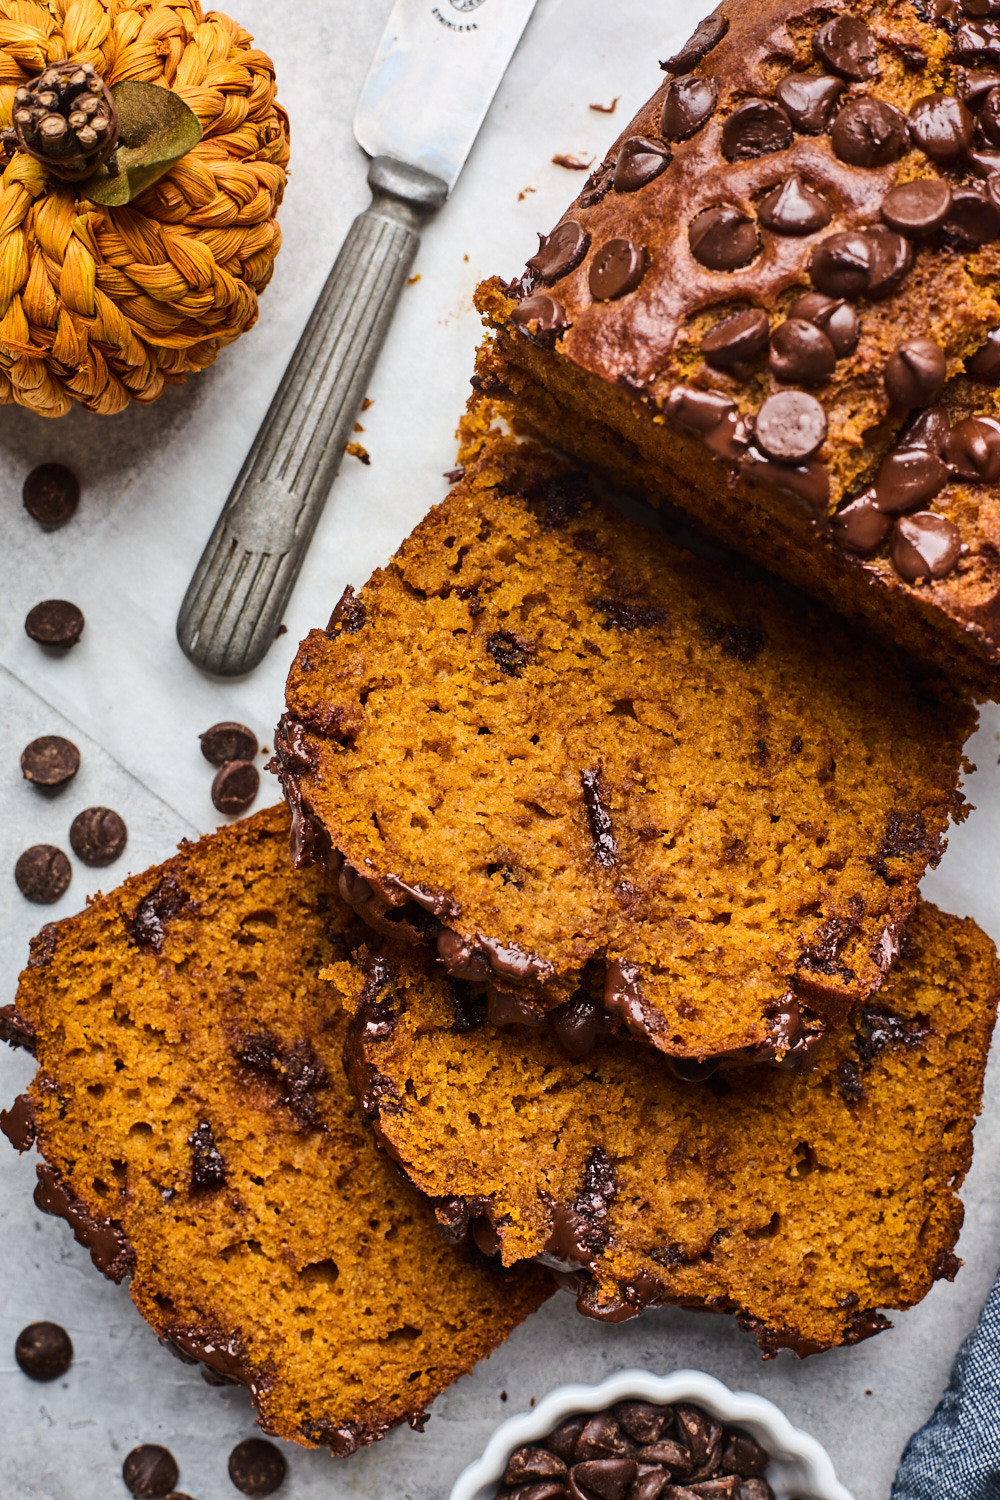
(601, 830)
(755, 128)
(837, 318)
(617, 269)
(640, 160)
(941, 126)
(228, 741)
(706, 35)
(597, 185)
(859, 525)
(701, 410)
(723, 238)
(840, 265)
(148, 926)
(541, 318)
(739, 340)
(19, 1123)
(914, 372)
(510, 653)
(846, 47)
(43, 874)
(917, 207)
(51, 495)
(98, 836)
(579, 1024)
(561, 251)
(908, 477)
(984, 365)
(868, 132)
(793, 208)
(973, 450)
(989, 117)
(208, 1170)
(50, 761)
(892, 258)
(926, 429)
(688, 103)
(925, 546)
(150, 1472)
(974, 219)
(791, 426)
(256, 1467)
(55, 622)
(234, 787)
(44, 1351)
(801, 353)
(973, 85)
(349, 614)
(809, 101)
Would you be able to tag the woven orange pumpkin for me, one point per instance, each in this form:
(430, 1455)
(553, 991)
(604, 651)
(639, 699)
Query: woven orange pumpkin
(107, 305)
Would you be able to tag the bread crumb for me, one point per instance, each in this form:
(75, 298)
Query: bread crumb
(572, 163)
(356, 451)
(607, 109)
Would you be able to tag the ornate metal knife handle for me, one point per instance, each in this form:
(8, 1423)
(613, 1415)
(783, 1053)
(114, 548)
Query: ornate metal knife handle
(235, 600)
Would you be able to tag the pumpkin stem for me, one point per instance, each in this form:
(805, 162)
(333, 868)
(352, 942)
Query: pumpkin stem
(67, 119)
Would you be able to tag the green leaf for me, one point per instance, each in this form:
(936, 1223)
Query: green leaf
(155, 129)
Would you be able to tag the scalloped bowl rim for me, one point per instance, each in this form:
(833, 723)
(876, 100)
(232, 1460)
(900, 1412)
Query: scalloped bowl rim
(800, 1466)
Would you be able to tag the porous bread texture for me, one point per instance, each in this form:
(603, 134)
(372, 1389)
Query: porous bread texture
(183, 1036)
(801, 1203)
(601, 392)
(575, 753)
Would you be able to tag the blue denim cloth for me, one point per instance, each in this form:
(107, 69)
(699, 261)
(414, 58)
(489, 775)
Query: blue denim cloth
(956, 1456)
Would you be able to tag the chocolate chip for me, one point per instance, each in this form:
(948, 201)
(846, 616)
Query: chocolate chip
(859, 525)
(974, 219)
(868, 132)
(43, 873)
(50, 761)
(700, 1431)
(597, 185)
(208, 1170)
(642, 1421)
(908, 477)
(791, 426)
(98, 836)
(706, 35)
(793, 208)
(742, 1455)
(837, 318)
(701, 410)
(801, 353)
(984, 365)
(809, 101)
(973, 450)
(755, 1489)
(926, 429)
(840, 264)
(228, 741)
(235, 786)
(541, 317)
(652, 1484)
(688, 103)
(639, 161)
(44, 1351)
(672, 1455)
(846, 47)
(617, 269)
(941, 126)
(974, 84)
(989, 117)
(925, 546)
(984, 161)
(150, 1472)
(755, 128)
(723, 238)
(541, 1489)
(526, 1464)
(738, 340)
(601, 1437)
(917, 207)
(256, 1467)
(564, 1439)
(51, 495)
(55, 622)
(608, 1478)
(914, 372)
(892, 259)
(561, 251)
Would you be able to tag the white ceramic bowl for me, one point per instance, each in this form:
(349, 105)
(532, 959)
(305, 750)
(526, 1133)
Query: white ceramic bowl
(799, 1466)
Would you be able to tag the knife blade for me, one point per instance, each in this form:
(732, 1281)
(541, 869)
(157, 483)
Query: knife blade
(431, 83)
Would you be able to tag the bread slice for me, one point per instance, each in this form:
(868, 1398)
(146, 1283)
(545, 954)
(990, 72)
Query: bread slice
(197, 1133)
(572, 753)
(803, 1204)
(766, 169)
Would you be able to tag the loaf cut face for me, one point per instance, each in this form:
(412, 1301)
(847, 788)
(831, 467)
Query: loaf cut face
(803, 1204)
(197, 1132)
(575, 755)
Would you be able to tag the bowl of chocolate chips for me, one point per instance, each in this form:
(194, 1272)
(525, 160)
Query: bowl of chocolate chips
(638, 1436)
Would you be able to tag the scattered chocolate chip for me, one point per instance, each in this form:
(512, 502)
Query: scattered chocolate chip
(51, 495)
(892, 259)
(639, 161)
(791, 426)
(723, 238)
(809, 101)
(926, 429)
(837, 318)
(43, 873)
(688, 103)
(561, 251)
(755, 128)
(917, 207)
(738, 340)
(801, 353)
(150, 1472)
(914, 372)
(541, 317)
(793, 208)
(706, 35)
(941, 126)
(908, 477)
(859, 525)
(984, 365)
(868, 132)
(256, 1467)
(617, 269)
(974, 218)
(44, 1351)
(98, 836)
(925, 546)
(989, 117)
(235, 786)
(840, 265)
(846, 47)
(228, 741)
(973, 450)
(50, 761)
(55, 622)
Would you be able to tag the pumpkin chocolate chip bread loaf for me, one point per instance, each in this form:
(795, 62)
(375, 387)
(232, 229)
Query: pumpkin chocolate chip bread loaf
(775, 304)
(802, 1203)
(573, 754)
(197, 1133)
